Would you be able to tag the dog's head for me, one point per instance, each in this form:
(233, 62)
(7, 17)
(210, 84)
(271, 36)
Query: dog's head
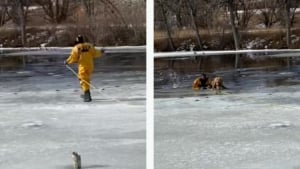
(217, 83)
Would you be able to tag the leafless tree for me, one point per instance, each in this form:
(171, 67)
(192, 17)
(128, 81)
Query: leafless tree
(135, 15)
(56, 11)
(247, 12)
(162, 7)
(210, 13)
(294, 5)
(4, 12)
(111, 6)
(18, 13)
(268, 10)
(120, 19)
(231, 6)
(282, 10)
(287, 5)
(192, 4)
(177, 8)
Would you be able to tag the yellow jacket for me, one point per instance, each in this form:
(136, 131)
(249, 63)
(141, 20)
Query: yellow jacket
(84, 54)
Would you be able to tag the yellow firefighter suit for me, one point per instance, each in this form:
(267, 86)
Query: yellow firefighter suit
(83, 54)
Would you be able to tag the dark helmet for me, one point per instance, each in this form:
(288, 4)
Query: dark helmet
(79, 39)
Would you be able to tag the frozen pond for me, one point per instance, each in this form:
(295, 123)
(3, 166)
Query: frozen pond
(252, 125)
(43, 119)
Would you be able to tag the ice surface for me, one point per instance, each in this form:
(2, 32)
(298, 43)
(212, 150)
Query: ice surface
(253, 125)
(43, 120)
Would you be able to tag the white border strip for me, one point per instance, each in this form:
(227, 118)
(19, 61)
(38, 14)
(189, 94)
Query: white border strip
(66, 50)
(224, 52)
(69, 48)
(150, 86)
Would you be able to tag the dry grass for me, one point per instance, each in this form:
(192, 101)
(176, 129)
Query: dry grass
(105, 28)
(178, 34)
(275, 38)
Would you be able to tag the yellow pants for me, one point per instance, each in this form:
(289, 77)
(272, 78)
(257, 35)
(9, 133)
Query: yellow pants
(84, 78)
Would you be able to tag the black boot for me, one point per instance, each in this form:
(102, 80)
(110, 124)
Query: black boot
(87, 96)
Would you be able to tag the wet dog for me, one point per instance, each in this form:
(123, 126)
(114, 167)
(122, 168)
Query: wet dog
(215, 83)
(200, 82)
(204, 82)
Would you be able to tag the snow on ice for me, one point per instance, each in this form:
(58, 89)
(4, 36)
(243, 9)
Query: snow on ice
(43, 119)
(254, 124)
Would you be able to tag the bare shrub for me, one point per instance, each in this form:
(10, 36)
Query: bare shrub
(56, 11)
(109, 22)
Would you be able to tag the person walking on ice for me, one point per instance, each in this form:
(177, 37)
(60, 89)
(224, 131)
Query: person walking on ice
(84, 54)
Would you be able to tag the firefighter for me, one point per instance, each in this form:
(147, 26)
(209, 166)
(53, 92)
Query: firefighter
(84, 54)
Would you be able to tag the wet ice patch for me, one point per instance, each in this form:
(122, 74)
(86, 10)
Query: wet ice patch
(33, 124)
(54, 74)
(23, 72)
(287, 73)
(120, 142)
(175, 85)
(283, 124)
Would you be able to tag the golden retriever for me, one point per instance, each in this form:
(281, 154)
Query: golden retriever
(204, 82)
(215, 83)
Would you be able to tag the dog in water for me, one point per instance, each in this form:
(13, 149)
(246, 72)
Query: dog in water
(215, 83)
(200, 82)
(204, 82)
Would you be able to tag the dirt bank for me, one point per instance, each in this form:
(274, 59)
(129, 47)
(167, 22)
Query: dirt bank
(251, 39)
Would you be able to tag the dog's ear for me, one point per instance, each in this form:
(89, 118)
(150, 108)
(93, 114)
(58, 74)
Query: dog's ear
(196, 83)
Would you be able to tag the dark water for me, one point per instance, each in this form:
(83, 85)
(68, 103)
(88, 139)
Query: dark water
(12, 67)
(176, 80)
